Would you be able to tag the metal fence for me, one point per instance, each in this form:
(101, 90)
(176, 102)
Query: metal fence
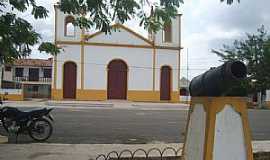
(32, 79)
(168, 153)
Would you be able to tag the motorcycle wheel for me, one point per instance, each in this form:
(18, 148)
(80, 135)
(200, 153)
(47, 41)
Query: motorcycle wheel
(40, 130)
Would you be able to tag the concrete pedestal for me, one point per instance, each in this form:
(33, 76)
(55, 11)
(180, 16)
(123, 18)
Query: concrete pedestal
(218, 129)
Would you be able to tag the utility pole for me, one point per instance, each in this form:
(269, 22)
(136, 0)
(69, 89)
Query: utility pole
(187, 96)
(1, 69)
(187, 63)
(1, 74)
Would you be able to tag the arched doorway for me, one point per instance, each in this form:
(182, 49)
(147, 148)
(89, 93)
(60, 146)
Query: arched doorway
(117, 80)
(70, 80)
(165, 83)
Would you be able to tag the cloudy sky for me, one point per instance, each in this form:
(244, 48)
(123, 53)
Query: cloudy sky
(206, 24)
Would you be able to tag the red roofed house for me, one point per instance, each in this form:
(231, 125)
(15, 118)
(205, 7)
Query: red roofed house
(27, 78)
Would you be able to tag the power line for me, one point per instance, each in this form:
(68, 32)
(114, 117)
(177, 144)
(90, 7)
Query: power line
(187, 63)
(137, 67)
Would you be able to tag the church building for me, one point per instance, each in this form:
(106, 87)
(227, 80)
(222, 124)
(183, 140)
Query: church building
(119, 65)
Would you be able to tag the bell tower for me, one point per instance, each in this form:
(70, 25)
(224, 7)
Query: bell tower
(64, 27)
(170, 35)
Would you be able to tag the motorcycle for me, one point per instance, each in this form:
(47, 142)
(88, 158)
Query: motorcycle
(36, 123)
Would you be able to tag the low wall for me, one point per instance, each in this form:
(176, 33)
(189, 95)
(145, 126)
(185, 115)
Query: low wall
(12, 94)
(185, 99)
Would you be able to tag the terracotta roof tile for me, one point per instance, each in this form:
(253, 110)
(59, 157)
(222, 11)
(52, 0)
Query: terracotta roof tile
(34, 62)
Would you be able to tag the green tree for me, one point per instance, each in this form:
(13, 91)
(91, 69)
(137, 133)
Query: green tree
(17, 35)
(254, 51)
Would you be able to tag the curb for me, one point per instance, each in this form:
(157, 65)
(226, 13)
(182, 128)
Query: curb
(3, 139)
(79, 104)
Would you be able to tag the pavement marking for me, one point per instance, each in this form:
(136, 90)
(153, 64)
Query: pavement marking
(172, 122)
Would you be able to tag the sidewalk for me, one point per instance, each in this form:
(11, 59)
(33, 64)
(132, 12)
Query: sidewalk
(110, 104)
(91, 151)
(74, 151)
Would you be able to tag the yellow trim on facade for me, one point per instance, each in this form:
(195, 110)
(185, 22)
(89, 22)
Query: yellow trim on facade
(13, 97)
(91, 95)
(168, 47)
(212, 106)
(117, 45)
(150, 96)
(57, 94)
(104, 44)
(267, 103)
(101, 95)
(136, 95)
(175, 97)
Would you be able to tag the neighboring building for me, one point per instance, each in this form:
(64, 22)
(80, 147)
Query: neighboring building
(32, 76)
(267, 98)
(118, 65)
(184, 90)
(184, 86)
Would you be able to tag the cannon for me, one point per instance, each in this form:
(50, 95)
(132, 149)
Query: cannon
(219, 81)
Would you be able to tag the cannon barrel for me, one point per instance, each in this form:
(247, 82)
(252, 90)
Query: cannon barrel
(218, 81)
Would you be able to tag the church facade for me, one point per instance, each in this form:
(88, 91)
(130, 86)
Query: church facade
(120, 65)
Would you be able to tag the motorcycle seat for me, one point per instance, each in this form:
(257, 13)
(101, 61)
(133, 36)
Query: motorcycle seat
(33, 112)
(14, 112)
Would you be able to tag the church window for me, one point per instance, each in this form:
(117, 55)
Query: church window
(167, 33)
(69, 26)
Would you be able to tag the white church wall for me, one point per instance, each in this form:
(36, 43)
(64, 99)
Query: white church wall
(139, 61)
(120, 36)
(71, 53)
(169, 58)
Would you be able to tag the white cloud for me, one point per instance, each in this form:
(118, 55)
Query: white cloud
(206, 24)
(210, 24)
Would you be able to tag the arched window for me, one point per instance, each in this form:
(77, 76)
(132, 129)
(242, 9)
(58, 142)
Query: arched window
(69, 26)
(167, 33)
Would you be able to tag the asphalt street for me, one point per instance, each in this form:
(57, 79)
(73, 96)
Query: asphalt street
(121, 126)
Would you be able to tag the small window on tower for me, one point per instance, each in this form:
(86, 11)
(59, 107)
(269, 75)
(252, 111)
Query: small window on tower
(69, 26)
(167, 33)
